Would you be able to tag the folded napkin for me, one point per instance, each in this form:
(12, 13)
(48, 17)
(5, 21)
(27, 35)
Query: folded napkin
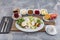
(7, 26)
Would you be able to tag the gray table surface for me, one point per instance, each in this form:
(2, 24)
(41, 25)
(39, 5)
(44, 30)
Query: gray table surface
(6, 7)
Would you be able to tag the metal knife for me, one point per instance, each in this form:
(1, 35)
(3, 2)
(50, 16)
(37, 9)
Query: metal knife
(6, 25)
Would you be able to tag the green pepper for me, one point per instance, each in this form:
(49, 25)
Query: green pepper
(39, 21)
(33, 27)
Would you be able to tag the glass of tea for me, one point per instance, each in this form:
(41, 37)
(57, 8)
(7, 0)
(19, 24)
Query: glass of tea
(16, 14)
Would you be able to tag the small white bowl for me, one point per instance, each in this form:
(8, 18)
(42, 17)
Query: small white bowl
(43, 9)
(51, 30)
(45, 19)
(30, 9)
(23, 11)
(36, 9)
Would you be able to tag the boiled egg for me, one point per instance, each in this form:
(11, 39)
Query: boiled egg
(24, 23)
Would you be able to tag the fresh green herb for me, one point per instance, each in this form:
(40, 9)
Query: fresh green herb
(19, 21)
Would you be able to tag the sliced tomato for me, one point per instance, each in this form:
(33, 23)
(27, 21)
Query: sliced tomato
(53, 16)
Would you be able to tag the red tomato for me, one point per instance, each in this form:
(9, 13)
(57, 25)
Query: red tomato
(53, 16)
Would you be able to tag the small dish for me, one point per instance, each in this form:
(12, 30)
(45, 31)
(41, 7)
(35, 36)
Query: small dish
(23, 11)
(45, 19)
(50, 29)
(16, 18)
(36, 11)
(30, 11)
(43, 12)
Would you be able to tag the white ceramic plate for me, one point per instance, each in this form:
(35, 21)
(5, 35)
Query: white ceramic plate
(30, 30)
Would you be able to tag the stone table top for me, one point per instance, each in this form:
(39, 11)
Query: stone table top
(6, 7)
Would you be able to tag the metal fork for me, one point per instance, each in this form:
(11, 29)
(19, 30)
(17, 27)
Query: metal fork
(4, 25)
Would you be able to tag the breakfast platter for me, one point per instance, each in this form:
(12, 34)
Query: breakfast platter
(29, 20)
(14, 29)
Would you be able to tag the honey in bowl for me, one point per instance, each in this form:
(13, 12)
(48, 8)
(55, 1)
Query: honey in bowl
(30, 11)
(36, 12)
